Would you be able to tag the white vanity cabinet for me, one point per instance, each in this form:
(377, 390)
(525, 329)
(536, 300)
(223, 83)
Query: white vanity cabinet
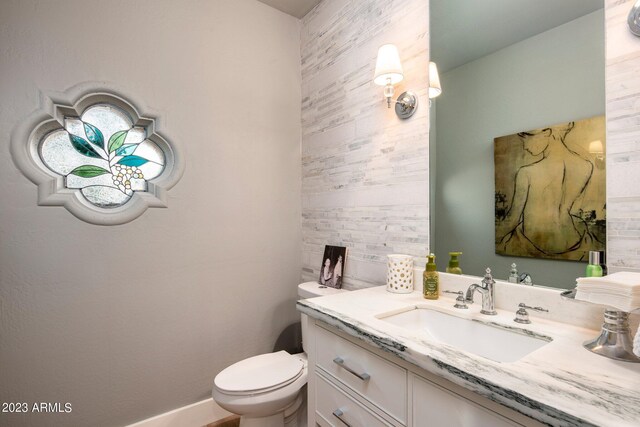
(354, 384)
(433, 405)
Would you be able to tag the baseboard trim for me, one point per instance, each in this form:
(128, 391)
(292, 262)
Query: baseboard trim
(197, 414)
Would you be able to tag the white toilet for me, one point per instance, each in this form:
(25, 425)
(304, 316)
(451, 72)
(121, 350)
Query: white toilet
(269, 390)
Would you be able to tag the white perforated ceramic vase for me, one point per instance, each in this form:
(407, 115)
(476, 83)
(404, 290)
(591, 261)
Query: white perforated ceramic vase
(400, 273)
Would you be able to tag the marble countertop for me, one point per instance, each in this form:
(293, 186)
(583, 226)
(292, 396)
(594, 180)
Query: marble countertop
(560, 384)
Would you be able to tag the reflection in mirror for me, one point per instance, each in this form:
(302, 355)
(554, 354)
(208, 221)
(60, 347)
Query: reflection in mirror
(531, 69)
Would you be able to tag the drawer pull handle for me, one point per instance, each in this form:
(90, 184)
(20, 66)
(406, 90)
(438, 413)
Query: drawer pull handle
(338, 414)
(340, 362)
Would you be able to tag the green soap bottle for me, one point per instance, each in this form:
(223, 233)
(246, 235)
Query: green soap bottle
(454, 263)
(593, 268)
(430, 279)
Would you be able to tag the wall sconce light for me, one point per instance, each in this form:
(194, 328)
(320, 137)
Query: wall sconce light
(596, 147)
(389, 73)
(435, 89)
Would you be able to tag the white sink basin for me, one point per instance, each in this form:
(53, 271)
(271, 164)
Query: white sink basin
(493, 342)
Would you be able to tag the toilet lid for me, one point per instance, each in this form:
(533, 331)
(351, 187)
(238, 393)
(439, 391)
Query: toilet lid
(259, 373)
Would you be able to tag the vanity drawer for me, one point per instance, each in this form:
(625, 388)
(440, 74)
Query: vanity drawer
(335, 408)
(379, 381)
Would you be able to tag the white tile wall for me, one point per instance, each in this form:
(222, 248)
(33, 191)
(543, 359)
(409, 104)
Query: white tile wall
(364, 171)
(623, 138)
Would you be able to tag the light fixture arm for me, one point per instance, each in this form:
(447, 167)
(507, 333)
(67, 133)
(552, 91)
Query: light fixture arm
(388, 92)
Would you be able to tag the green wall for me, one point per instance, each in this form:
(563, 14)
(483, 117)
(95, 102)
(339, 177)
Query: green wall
(550, 78)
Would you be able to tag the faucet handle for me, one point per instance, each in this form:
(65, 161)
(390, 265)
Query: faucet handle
(522, 316)
(461, 303)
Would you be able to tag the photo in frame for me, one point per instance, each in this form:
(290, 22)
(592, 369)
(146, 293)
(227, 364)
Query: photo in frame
(332, 268)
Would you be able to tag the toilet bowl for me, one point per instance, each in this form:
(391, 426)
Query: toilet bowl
(269, 390)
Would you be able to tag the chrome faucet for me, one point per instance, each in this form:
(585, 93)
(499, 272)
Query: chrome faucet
(487, 289)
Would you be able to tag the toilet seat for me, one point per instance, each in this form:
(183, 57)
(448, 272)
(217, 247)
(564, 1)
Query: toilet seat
(260, 374)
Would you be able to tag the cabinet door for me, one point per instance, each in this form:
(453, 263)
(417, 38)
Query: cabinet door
(433, 406)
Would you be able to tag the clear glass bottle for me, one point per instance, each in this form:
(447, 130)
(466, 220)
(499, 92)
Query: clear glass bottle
(603, 262)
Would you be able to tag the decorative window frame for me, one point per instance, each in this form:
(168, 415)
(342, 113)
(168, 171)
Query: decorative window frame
(50, 116)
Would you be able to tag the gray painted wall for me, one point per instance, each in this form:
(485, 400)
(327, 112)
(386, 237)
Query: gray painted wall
(554, 77)
(365, 172)
(129, 321)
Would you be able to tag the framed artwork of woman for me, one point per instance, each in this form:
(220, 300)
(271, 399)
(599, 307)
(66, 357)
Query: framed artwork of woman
(550, 191)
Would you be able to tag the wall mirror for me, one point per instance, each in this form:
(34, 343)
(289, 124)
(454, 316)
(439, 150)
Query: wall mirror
(508, 67)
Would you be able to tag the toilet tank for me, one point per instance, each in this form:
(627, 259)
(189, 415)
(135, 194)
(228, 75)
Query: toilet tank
(312, 290)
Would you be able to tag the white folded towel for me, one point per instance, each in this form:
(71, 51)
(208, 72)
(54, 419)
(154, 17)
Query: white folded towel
(624, 282)
(619, 290)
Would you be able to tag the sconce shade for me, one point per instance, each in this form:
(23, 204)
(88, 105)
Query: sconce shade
(388, 66)
(434, 81)
(595, 147)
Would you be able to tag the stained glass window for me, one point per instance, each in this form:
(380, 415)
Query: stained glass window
(103, 154)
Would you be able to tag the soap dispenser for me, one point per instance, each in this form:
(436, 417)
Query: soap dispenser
(454, 263)
(430, 279)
